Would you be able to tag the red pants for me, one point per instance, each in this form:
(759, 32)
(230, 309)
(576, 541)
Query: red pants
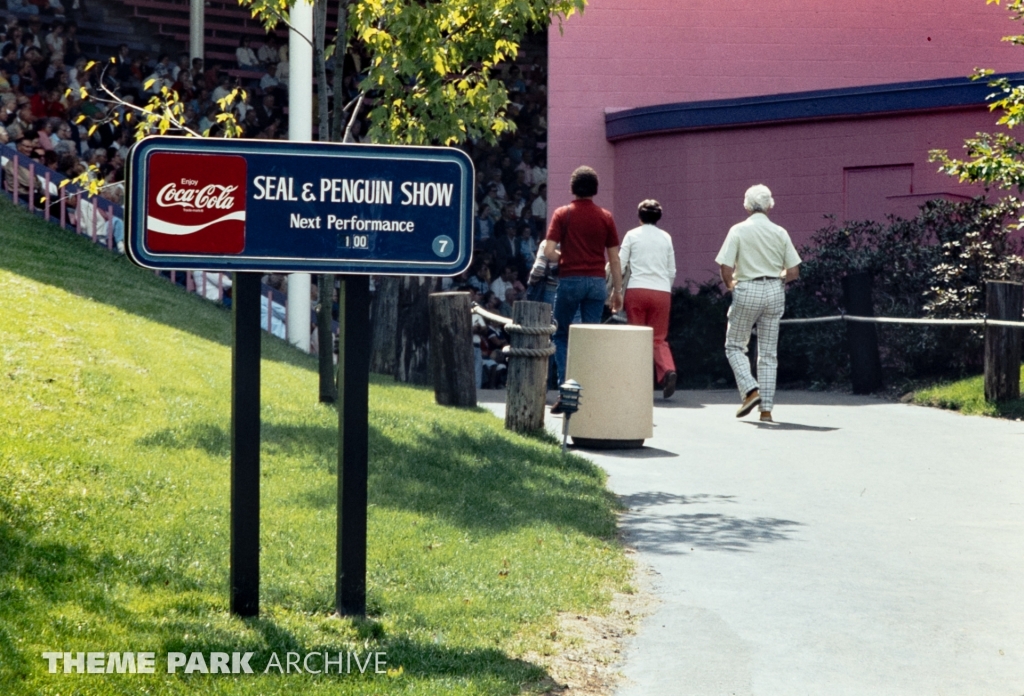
(652, 308)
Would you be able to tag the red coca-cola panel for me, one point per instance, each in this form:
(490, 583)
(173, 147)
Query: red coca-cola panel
(196, 204)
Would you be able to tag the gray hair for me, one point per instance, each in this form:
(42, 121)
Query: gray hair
(758, 199)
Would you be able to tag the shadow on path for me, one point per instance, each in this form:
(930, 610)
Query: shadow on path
(649, 528)
(785, 397)
(780, 425)
(640, 453)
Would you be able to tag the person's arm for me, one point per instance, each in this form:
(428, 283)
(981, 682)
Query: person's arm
(555, 235)
(727, 276)
(625, 251)
(616, 268)
(550, 252)
(791, 262)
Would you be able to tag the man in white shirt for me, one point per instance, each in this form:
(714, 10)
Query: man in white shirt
(649, 260)
(526, 167)
(757, 260)
(268, 51)
(539, 173)
(539, 207)
(222, 90)
(504, 289)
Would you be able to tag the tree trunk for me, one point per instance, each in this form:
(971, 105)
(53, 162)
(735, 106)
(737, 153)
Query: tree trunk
(527, 376)
(325, 338)
(340, 51)
(384, 318)
(325, 282)
(320, 68)
(451, 349)
(413, 338)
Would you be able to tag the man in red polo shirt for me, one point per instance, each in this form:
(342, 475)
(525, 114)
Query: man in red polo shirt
(585, 232)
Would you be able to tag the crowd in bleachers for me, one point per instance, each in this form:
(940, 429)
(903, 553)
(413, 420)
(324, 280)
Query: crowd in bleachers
(511, 192)
(511, 199)
(43, 72)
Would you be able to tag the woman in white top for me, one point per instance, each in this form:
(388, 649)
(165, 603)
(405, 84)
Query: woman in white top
(648, 254)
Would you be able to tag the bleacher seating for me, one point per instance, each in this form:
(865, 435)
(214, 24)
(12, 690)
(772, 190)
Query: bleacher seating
(225, 23)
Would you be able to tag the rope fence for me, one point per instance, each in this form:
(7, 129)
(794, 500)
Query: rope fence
(1004, 307)
(906, 320)
(491, 316)
(512, 327)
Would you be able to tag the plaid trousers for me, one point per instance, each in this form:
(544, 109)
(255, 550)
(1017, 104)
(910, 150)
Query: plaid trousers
(759, 302)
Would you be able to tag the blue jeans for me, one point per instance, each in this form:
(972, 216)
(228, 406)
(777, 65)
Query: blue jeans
(584, 293)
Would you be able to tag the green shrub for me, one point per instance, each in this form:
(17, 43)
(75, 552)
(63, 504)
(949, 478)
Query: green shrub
(934, 265)
(697, 336)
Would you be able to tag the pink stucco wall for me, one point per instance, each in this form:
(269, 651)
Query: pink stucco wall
(630, 53)
(850, 168)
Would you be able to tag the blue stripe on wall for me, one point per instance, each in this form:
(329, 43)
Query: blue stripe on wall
(801, 106)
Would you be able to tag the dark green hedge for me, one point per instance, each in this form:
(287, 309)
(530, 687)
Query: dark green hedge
(934, 265)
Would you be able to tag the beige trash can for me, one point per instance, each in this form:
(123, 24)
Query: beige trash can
(613, 364)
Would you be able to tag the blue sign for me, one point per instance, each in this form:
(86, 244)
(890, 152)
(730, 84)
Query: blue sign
(295, 207)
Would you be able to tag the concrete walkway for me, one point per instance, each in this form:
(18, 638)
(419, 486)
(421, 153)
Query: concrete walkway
(857, 547)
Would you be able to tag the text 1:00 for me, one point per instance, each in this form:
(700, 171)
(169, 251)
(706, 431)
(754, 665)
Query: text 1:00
(357, 241)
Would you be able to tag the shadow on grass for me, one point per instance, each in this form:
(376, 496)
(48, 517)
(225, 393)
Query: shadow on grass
(489, 483)
(1009, 409)
(41, 578)
(275, 438)
(480, 480)
(37, 575)
(47, 254)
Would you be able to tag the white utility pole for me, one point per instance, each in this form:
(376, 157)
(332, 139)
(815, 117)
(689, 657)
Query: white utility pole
(300, 127)
(196, 30)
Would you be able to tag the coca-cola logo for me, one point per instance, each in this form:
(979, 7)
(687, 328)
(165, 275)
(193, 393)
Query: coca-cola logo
(196, 203)
(210, 197)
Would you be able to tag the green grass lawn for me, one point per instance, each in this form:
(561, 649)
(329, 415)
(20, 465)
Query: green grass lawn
(114, 481)
(968, 397)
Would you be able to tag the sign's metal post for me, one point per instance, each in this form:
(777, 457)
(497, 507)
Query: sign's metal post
(353, 444)
(245, 446)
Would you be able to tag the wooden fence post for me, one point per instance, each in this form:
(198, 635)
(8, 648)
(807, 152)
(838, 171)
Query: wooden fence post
(1002, 343)
(528, 370)
(861, 337)
(384, 325)
(412, 360)
(451, 349)
(325, 339)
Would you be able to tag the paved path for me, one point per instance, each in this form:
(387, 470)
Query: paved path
(857, 547)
